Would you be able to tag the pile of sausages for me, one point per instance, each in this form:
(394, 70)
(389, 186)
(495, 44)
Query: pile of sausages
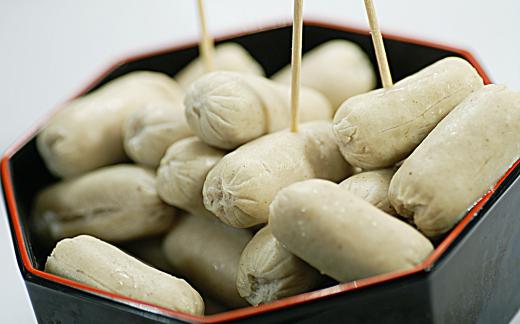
(222, 194)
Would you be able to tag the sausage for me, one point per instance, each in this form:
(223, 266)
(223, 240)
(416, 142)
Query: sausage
(149, 250)
(115, 203)
(150, 131)
(239, 189)
(268, 272)
(372, 186)
(461, 159)
(339, 69)
(183, 169)
(382, 127)
(341, 234)
(207, 252)
(87, 133)
(228, 57)
(90, 261)
(227, 109)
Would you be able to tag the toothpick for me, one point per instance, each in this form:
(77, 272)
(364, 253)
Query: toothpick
(377, 39)
(206, 46)
(296, 62)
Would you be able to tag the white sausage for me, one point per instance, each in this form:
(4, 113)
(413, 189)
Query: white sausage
(372, 186)
(183, 169)
(461, 159)
(227, 109)
(382, 127)
(93, 262)
(268, 272)
(150, 131)
(239, 189)
(339, 69)
(87, 133)
(148, 250)
(227, 57)
(341, 234)
(115, 203)
(207, 253)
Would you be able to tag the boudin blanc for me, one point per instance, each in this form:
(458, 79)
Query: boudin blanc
(239, 189)
(382, 127)
(339, 69)
(461, 159)
(227, 57)
(115, 203)
(90, 261)
(182, 173)
(148, 250)
(341, 234)
(227, 109)
(207, 252)
(372, 186)
(87, 133)
(268, 272)
(148, 132)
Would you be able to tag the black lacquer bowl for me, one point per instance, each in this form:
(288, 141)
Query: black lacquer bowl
(473, 274)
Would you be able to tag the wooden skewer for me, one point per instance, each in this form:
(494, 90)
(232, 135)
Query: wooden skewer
(377, 39)
(296, 62)
(206, 46)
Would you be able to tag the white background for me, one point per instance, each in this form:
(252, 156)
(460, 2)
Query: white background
(49, 49)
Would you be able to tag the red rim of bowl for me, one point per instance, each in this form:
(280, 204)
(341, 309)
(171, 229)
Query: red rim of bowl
(248, 311)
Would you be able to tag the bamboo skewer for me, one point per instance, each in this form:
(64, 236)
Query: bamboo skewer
(206, 45)
(296, 61)
(379, 46)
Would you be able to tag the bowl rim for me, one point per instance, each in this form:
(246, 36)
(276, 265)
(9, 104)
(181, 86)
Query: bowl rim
(236, 314)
